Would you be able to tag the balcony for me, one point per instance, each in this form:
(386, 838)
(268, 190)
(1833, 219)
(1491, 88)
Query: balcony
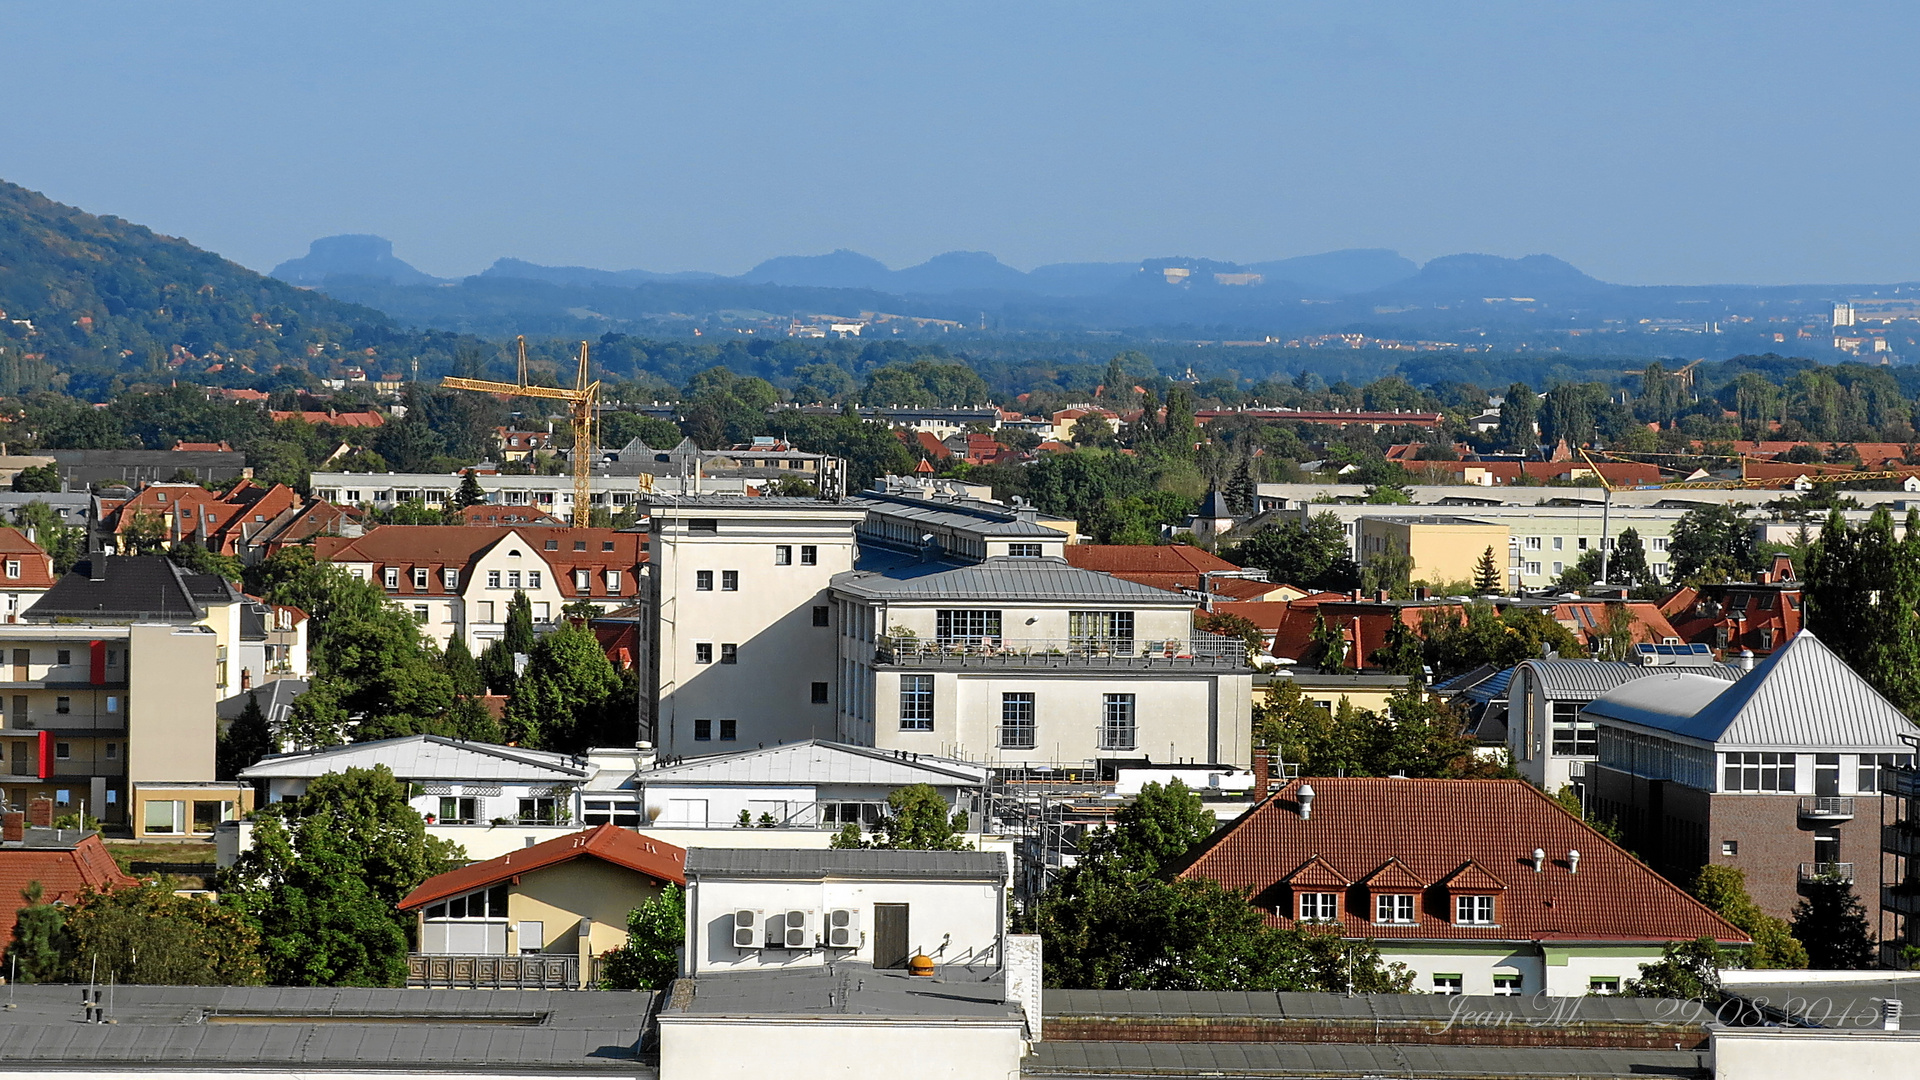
(1826, 808)
(1203, 651)
(1820, 871)
(532, 971)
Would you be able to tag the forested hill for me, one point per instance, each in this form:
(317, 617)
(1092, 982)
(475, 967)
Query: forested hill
(89, 297)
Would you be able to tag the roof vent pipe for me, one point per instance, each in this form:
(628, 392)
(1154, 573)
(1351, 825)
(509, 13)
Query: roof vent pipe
(1746, 659)
(1539, 860)
(1573, 861)
(1305, 795)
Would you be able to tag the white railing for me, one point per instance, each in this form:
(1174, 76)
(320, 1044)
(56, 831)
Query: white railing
(1206, 649)
(1819, 871)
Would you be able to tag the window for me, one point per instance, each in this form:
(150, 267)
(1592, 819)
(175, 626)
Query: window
(1604, 985)
(455, 810)
(820, 615)
(703, 730)
(1871, 764)
(1659, 543)
(63, 705)
(1016, 721)
(1393, 908)
(605, 545)
(540, 808)
(1533, 543)
(420, 577)
(1759, 772)
(819, 693)
(450, 580)
(1559, 568)
(703, 580)
(916, 703)
(113, 655)
(1116, 722)
(1533, 568)
(63, 657)
(1319, 906)
(582, 581)
(1559, 543)
(1447, 984)
(485, 610)
(703, 526)
(729, 730)
(1024, 551)
(513, 579)
(1729, 848)
(579, 545)
(1506, 984)
(1581, 543)
(1473, 911)
(1573, 734)
(783, 554)
(966, 626)
(392, 576)
(1826, 774)
(420, 613)
(729, 581)
(543, 612)
(493, 579)
(62, 751)
(13, 568)
(703, 652)
(613, 583)
(533, 579)
(165, 816)
(1101, 630)
(553, 545)
(611, 812)
(208, 813)
(113, 751)
(809, 555)
(729, 653)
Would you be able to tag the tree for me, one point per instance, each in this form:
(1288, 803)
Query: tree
(559, 704)
(650, 960)
(497, 664)
(37, 478)
(1686, 971)
(64, 543)
(41, 949)
(149, 935)
(1724, 889)
(1863, 601)
(1486, 635)
(1402, 652)
(1628, 564)
(1327, 643)
(1832, 925)
(1118, 920)
(1389, 571)
(461, 667)
(1486, 574)
(917, 819)
(324, 874)
(1092, 430)
(1418, 735)
(1313, 556)
(470, 493)
(1517, 413)
(247, 739)
(471, 720)
(1711, 544)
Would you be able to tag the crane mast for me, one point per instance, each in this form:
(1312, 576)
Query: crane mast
(582, 406)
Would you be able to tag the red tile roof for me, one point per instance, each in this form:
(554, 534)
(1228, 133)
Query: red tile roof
(656, 859)
(337, 419)
(439, 547)
(1470, 836)
(490, 514)
(1172, 567)
(204, 447)
(36, 566)
(65, 875)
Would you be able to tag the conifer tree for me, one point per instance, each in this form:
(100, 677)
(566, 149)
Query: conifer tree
(461, 666)
(248, 739)
(1832, 925)
(470, 492)
(1486, 574)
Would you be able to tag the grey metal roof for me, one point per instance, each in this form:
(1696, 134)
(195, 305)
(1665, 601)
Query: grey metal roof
(1584, 680)
(1007, 580)
(816, 761)
(262, 1027)
(1837, 1004)
(422, 757)
(960, 514)
(1106, 1059)
(142, 587)
(845, 990)
(668, 505)
(779, 863)
(273, 696)
(1802, 695)
(1364, 1007)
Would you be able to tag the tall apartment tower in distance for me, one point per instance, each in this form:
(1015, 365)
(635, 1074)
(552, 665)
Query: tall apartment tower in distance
(742, 649)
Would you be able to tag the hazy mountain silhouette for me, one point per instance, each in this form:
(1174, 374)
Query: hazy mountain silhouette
(1340, 273)
(1472, 277)
(351, 255)
(842, 269)
(583, 275)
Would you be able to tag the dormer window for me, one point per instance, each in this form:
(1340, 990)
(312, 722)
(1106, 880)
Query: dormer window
(1393, 909)
(1473, 910)
(1319, 906)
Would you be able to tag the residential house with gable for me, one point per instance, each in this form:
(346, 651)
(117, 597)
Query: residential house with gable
(26, 573)
(65, 864)
(460, 579)
(1778, 774)
(1478, 886)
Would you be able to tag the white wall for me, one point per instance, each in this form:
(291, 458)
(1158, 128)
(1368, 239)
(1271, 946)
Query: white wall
(1538, 973)
(840, 1048)
(954, 922)
(1800, 1053)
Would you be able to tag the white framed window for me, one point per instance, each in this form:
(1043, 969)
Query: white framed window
(13, 568)
(916, 703)
(513, 579)
(809, 555)
(493, 579)
(1507, 984)
(1473, 910)
(484, 609)
(1319, 906)
(783, 554)
(1117, 728)
(1393, 908)
(1604, 985)
(533, 579)
(1759, 772)
(1024, 551)
(420, 614)
(1659, 543)
(450, 580)
(703, 652)
(582, 581)
(729, 581)
(1730, 848)
(1017, 721)
(703, 580)
(613, 583)
(1449, 984)
(392, 577)
(420, 578)
(1533, 543)
(1533, 569)
(1559, 543)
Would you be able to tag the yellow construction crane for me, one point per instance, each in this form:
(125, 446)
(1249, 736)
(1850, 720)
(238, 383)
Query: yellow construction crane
(582, 403)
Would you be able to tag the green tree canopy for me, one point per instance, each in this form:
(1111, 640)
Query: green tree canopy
(1724, 889)
(1314, 556)
(149, 935)
(561, 701)
(650, 960)
(1863, 601)
(1830, 922)
(247, 739)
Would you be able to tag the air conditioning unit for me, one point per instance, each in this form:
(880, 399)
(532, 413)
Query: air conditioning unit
(843, 928)
(796, 929)
(749, 929)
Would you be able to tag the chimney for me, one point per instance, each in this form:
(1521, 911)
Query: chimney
(13, 827)
(1420, 592)
(1746, 659)
(1380, 596)
(40, 813)
(1262, 770)
(97, 568)
(1305, 797)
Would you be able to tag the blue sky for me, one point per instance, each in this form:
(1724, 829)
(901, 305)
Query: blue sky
(1644, 142)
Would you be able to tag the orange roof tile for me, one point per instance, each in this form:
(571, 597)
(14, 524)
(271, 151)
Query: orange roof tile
(656, 859)
(64, 875)
(1463, 835)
